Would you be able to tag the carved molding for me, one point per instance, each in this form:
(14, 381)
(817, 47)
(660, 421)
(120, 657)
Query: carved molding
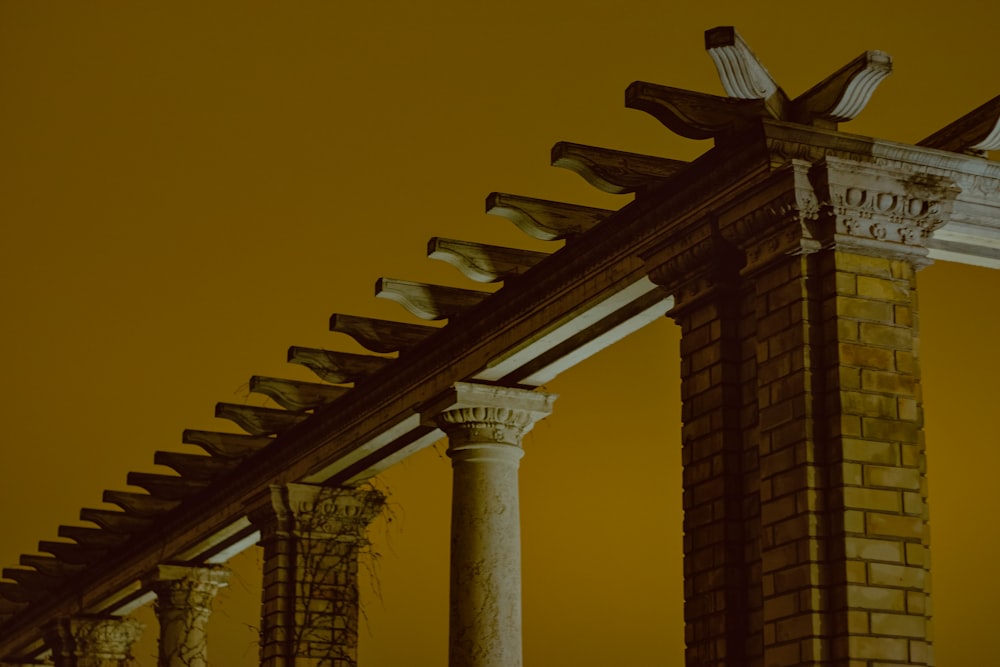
(543, 219)
(474, 425)
(186, 587)
(694, 115)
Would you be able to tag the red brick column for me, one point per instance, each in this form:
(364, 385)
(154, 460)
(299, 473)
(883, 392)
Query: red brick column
(806, 538)
(312, 538)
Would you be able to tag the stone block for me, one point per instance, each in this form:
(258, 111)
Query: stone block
(901, 576)
(873, 550)
(898, 625)
(864, 356)
(875, 598)
(889, 429)
(894, 477)
(890, 525)
(886, 335)
(889, 382)
(879, 500)
(883, 289)
(869, 451)
(878, 648)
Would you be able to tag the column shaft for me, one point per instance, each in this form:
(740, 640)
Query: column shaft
(184, 597)
(312, 538)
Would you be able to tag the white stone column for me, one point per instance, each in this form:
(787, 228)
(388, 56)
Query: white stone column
(92, 641)
(184, 597)
(485, 425)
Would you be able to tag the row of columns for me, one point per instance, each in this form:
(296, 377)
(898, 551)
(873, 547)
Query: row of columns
(313, 536)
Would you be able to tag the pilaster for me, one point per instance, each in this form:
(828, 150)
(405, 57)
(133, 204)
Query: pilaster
(804, 479)
(92, 641)
(184, 596)
(312, 538)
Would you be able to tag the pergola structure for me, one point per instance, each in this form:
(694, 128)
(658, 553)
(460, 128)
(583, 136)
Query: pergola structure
(787, 255)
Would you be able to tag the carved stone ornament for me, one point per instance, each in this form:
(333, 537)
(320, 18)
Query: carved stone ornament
(89, 640)
(486, 425)
(187, 587)
(877, 211)
(318, 511)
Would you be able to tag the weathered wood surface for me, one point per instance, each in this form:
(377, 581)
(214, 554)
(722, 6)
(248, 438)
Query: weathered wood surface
(543, 219)
(974, 133)
(481, 262)
(845, 93)
(694, 115)
(337, 367)
(429, 302)
(615, 172)
(139, 504)
(382, 336)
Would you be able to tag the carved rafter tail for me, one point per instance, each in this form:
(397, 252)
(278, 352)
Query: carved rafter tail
(483, 263)
(116, 522)
(256, 420)
(226, 445)
(139, 504)
(53, 567)
(337, 367)
(428, 302)
(195, 466)
(974, 133)
(694, 115)
(742, 73)
(70, 552)
(32, 580)
(381, 336)
(845, 93)
(296, 395)
(168, 487)
(18, 593)
(93, 537)
(543, 219)
(616, 172)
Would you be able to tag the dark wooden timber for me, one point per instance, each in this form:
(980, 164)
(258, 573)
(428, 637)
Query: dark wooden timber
(226, 445)
(257, 420)
(543, 219)
(380, 336)
(616, 172)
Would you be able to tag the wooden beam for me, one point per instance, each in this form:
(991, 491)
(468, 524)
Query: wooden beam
(973, 134)
(844, 94)
(381, 336)
(10, 607)
(17, 593)
(613, 171)
(694, 115)
(52, 567)
(139, 504)
(428, 302)
(31, 578)
(226, 445)
(73, 553)
(543, 219)
(166, 486)
(258, 421)
(741, 71)
(337, 367)
(483, 263)
(195, 466)
(93, 537)
(116, 522)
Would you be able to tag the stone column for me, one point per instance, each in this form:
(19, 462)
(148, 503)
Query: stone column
(805, 520)
(312, 537)
(184, 597)
(92, 641)
(485, 426)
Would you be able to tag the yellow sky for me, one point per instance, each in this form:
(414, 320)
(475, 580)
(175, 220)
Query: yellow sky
(188, 188)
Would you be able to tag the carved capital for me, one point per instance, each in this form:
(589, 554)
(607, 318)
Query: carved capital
(479, 425)
(874, 210)
(82, 641)
(188, 587)
(307, 510)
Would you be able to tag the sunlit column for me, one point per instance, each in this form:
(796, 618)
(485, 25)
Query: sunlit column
(312, 538)
(92, 641)
(184, 597)
(485, 425)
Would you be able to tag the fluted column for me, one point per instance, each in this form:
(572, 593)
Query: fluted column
(92, 641)
(184, 597)
(312, 538)
(485, 425)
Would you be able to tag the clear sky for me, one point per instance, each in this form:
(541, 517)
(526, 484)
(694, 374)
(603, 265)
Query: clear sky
(188, 188)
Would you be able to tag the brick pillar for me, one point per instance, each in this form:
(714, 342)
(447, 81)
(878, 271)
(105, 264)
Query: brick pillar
(485, 426)
(806, 538)
(312, 537)
(184, 597)
(92, 641)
